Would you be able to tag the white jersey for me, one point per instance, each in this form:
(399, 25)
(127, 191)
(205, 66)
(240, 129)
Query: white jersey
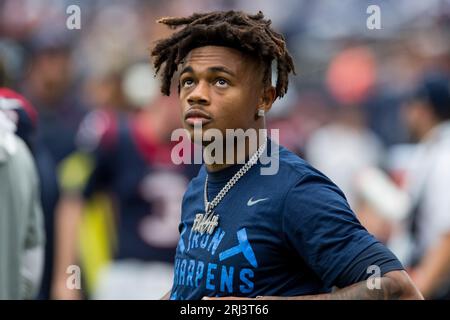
(428, 181)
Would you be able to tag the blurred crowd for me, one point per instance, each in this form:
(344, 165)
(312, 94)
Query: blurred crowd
(368, 107)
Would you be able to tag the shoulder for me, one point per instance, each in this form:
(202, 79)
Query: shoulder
(306, 187)
(297, 170)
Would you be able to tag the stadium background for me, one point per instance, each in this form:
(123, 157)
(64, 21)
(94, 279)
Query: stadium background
(344, 111)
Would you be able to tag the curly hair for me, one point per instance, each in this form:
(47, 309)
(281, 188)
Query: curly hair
(250, 34)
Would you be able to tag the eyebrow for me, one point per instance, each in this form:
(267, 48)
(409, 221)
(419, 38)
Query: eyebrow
(222, 69)
(186, 70)
(189, 69)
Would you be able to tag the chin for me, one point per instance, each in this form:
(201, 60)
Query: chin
(190, 130)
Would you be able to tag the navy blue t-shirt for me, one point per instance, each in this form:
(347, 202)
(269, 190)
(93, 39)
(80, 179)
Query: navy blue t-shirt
(288, 234)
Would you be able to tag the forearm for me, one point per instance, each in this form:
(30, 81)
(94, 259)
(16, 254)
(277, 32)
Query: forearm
(394, 285)
(434, 267)
(68, 218)
(359, 291)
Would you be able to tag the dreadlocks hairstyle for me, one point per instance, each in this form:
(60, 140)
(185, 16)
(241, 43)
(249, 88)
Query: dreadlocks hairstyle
(251, 34)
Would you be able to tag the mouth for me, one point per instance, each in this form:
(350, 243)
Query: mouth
(196, 117)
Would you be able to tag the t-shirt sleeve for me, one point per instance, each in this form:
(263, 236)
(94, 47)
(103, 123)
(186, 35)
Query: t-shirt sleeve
(320, 226)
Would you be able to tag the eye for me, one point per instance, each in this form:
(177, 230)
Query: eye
(187, 83)
(221, 83)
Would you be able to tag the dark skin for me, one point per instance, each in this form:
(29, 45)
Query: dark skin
(226, 86)
(394, 285)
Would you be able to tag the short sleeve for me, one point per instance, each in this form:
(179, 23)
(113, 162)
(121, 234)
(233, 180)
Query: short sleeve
(320, 226)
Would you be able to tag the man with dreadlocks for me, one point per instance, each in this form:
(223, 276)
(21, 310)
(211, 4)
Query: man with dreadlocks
(242, 233)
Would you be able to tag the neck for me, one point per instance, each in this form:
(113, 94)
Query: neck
(240, 155)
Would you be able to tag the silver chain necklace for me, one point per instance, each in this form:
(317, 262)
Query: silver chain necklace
(208, 221)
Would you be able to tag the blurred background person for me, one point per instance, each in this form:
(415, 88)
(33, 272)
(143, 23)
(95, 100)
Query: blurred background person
(130, 150)
(428, 117)
(21, 225)
(343, 112)
(50, 88)
(24, 115)
(345, 146)
(29, 130)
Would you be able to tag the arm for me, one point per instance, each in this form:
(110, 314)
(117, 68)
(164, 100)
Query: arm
(394, 285)
(68, 217)
(337, 248)
(434, 267)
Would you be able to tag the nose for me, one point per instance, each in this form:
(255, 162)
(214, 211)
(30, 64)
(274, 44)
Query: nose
(199, 95)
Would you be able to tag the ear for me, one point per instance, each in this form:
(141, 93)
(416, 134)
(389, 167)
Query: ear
(266, 98)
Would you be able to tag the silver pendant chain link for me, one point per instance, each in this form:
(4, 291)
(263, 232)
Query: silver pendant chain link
(209, 206)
